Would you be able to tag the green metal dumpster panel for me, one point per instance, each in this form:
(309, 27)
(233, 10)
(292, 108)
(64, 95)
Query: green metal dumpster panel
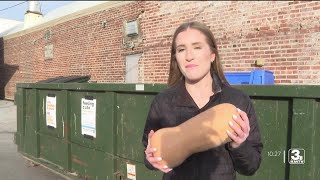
(302, 123)
(54, 150)
(20, 117)
(104, 120)
(305, 136)
(272, 117)
(91, 163)
(19, 103)
(31, 125)
(41, 109)
(97, 87)
(132, 110)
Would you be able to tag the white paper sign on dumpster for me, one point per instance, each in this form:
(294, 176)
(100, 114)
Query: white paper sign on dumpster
(131, 171)
(88, 117)
(51, 106)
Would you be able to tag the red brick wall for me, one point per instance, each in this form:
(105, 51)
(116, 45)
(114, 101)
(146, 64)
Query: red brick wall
(283, 34)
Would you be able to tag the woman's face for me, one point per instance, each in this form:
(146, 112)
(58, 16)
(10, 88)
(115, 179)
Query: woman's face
(193, 55)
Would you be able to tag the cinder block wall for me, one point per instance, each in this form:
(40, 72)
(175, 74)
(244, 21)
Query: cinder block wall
(285, 35)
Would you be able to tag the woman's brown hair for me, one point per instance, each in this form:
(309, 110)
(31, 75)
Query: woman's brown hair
(175, 74)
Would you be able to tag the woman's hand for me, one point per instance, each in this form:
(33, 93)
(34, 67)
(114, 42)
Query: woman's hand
(154, 161)
(240, 134)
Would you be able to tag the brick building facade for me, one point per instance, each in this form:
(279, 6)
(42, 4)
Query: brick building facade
(285, 35)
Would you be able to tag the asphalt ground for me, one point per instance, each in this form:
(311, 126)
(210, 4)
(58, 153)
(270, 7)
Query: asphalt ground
(13, 166)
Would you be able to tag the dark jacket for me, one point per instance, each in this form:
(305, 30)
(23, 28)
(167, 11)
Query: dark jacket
(174, 106)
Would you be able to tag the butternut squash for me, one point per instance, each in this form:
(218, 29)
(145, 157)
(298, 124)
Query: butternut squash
(200, 133)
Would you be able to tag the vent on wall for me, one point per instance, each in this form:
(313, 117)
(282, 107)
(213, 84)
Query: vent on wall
(132, 28)
(47, 35)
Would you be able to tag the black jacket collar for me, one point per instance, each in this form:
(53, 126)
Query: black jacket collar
(183, 96)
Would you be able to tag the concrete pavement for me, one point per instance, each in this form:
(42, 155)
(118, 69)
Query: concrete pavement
(12, 165)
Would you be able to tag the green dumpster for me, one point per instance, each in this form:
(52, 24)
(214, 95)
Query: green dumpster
(98, 129)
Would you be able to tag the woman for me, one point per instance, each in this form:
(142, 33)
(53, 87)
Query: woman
(197, 83)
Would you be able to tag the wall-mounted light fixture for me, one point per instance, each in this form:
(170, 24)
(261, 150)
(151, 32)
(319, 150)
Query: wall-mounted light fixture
(259, 62)
(103, 24)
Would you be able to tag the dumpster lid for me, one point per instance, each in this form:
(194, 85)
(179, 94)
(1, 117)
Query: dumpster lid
(66, 79)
